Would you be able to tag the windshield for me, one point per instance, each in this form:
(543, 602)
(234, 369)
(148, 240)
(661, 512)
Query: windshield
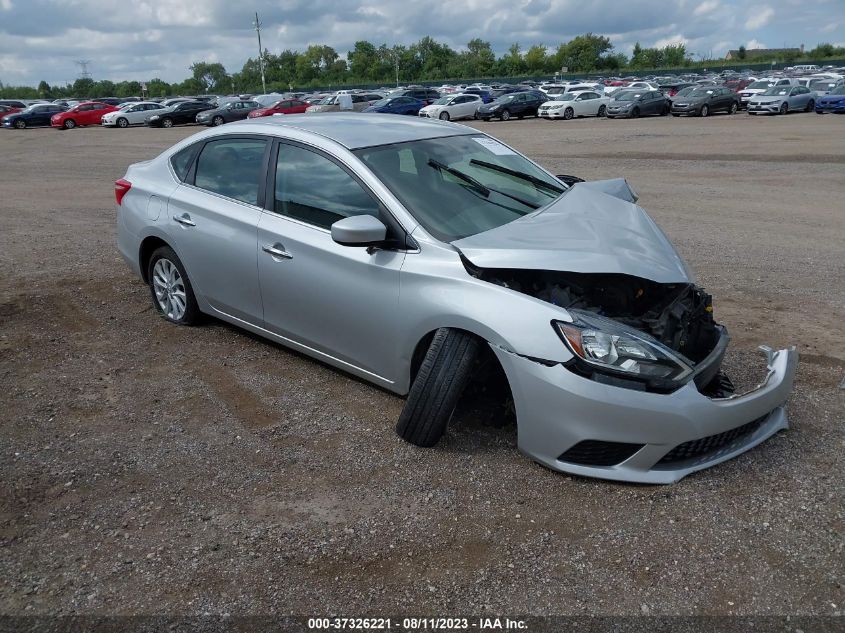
(777, 91)
(685, 92)
(566, 96)
(822, 84)
(627, 96)
(701, 92)
(381, 102)
(839, 90)
(757, 85)
(505, 98)
(459, 185)
(443, 101)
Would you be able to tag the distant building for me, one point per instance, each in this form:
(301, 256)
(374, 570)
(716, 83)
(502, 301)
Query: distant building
(752, 53)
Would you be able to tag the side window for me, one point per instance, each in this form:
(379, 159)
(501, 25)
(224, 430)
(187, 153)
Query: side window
(231, 167)
(313, 189)
(181, 161)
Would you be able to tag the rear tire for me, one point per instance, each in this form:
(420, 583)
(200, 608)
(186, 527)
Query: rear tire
(441, 380)
(172, 293)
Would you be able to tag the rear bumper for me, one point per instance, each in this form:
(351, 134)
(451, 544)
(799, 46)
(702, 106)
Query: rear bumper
(669, 435)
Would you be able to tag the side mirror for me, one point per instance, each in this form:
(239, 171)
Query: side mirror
(569, 180)
(359, 230)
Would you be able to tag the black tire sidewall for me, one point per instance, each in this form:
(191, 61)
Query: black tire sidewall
(122, 122)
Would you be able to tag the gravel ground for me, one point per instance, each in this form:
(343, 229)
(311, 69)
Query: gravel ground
(150, 469)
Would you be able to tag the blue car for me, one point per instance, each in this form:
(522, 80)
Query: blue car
(834, 101)
(396, 105)
(34, 115)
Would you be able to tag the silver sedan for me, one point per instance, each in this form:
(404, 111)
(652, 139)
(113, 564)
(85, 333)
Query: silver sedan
(422, 256)
(783, 99)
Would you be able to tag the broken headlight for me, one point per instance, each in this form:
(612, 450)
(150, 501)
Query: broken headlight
(611, 346)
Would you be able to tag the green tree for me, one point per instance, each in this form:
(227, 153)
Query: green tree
(363, 61)
(535, 59)
(44, 89)
(210, 77)
(741, 53)
(478, 60)
(512, 62)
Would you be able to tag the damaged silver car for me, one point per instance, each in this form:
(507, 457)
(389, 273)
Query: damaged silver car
(423, 256)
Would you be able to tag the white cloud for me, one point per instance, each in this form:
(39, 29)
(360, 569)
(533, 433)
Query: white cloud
(758, 17)
(755, 44)
(672, 40)
(708, 6)
(6, 5)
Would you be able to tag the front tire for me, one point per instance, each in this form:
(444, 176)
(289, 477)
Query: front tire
(602, 111)
(444, 116)
(441, 380)
(784, 108)
(216, 121)
(506, 115)
(167, 123)
(122, 122)
(173, 296)
(69, 124)
(734, 108)
(705, 111)
(568, 113)
(811, 105)
(20, 124)
(635, 113)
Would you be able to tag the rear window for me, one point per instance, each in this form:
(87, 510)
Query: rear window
(182, 160)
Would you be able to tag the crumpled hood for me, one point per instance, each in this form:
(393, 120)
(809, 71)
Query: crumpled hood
(587, 230)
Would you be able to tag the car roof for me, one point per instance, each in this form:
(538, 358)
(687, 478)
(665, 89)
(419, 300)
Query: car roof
(357, 130)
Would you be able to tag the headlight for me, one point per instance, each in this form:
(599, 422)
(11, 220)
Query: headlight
(155, 117)
(609, 345)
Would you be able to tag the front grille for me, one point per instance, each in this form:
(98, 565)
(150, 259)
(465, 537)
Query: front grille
(598, 453)
(710, 444)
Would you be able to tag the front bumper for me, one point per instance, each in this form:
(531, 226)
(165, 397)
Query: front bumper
(669, 435)
(838, 107)
(768, 108)
(618, 113)
(550, 114)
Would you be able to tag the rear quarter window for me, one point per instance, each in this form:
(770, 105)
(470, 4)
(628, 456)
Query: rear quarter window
(182, 160)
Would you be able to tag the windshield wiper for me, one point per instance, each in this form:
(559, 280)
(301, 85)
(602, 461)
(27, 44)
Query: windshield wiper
(484, 190)
(518, 174)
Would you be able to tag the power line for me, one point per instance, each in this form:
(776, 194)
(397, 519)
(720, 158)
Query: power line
(257, 25)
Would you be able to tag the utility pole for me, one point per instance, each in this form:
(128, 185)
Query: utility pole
(257, 25)
(396, 63)
(83, 68)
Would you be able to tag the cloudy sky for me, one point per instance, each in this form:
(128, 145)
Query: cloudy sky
(142, 39)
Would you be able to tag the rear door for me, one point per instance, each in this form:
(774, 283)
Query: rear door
(339, 301)
(214, 217)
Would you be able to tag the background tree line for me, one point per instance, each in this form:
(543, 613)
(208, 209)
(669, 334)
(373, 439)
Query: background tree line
(366, 63)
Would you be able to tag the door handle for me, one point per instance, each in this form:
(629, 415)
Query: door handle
(277, 250)
(184, 220)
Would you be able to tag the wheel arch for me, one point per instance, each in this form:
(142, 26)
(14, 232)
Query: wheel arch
(145, 251)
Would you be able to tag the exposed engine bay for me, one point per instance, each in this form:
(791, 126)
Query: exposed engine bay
(678, 315)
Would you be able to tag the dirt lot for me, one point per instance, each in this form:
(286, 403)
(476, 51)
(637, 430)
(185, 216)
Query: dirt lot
(147, 468)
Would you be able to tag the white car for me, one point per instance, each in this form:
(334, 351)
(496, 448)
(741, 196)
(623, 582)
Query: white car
(572, 104)
(131, 114)
(453, 107)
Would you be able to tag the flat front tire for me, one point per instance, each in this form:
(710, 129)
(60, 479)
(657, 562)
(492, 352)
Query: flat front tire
(173, 296)
(439, 383)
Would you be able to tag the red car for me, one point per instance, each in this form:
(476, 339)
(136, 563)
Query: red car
(285, 106)
(87, 113)
(7, 109)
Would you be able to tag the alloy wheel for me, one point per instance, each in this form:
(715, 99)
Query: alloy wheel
(169, 289)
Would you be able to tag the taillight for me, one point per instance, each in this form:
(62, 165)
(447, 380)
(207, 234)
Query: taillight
(121, 187)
